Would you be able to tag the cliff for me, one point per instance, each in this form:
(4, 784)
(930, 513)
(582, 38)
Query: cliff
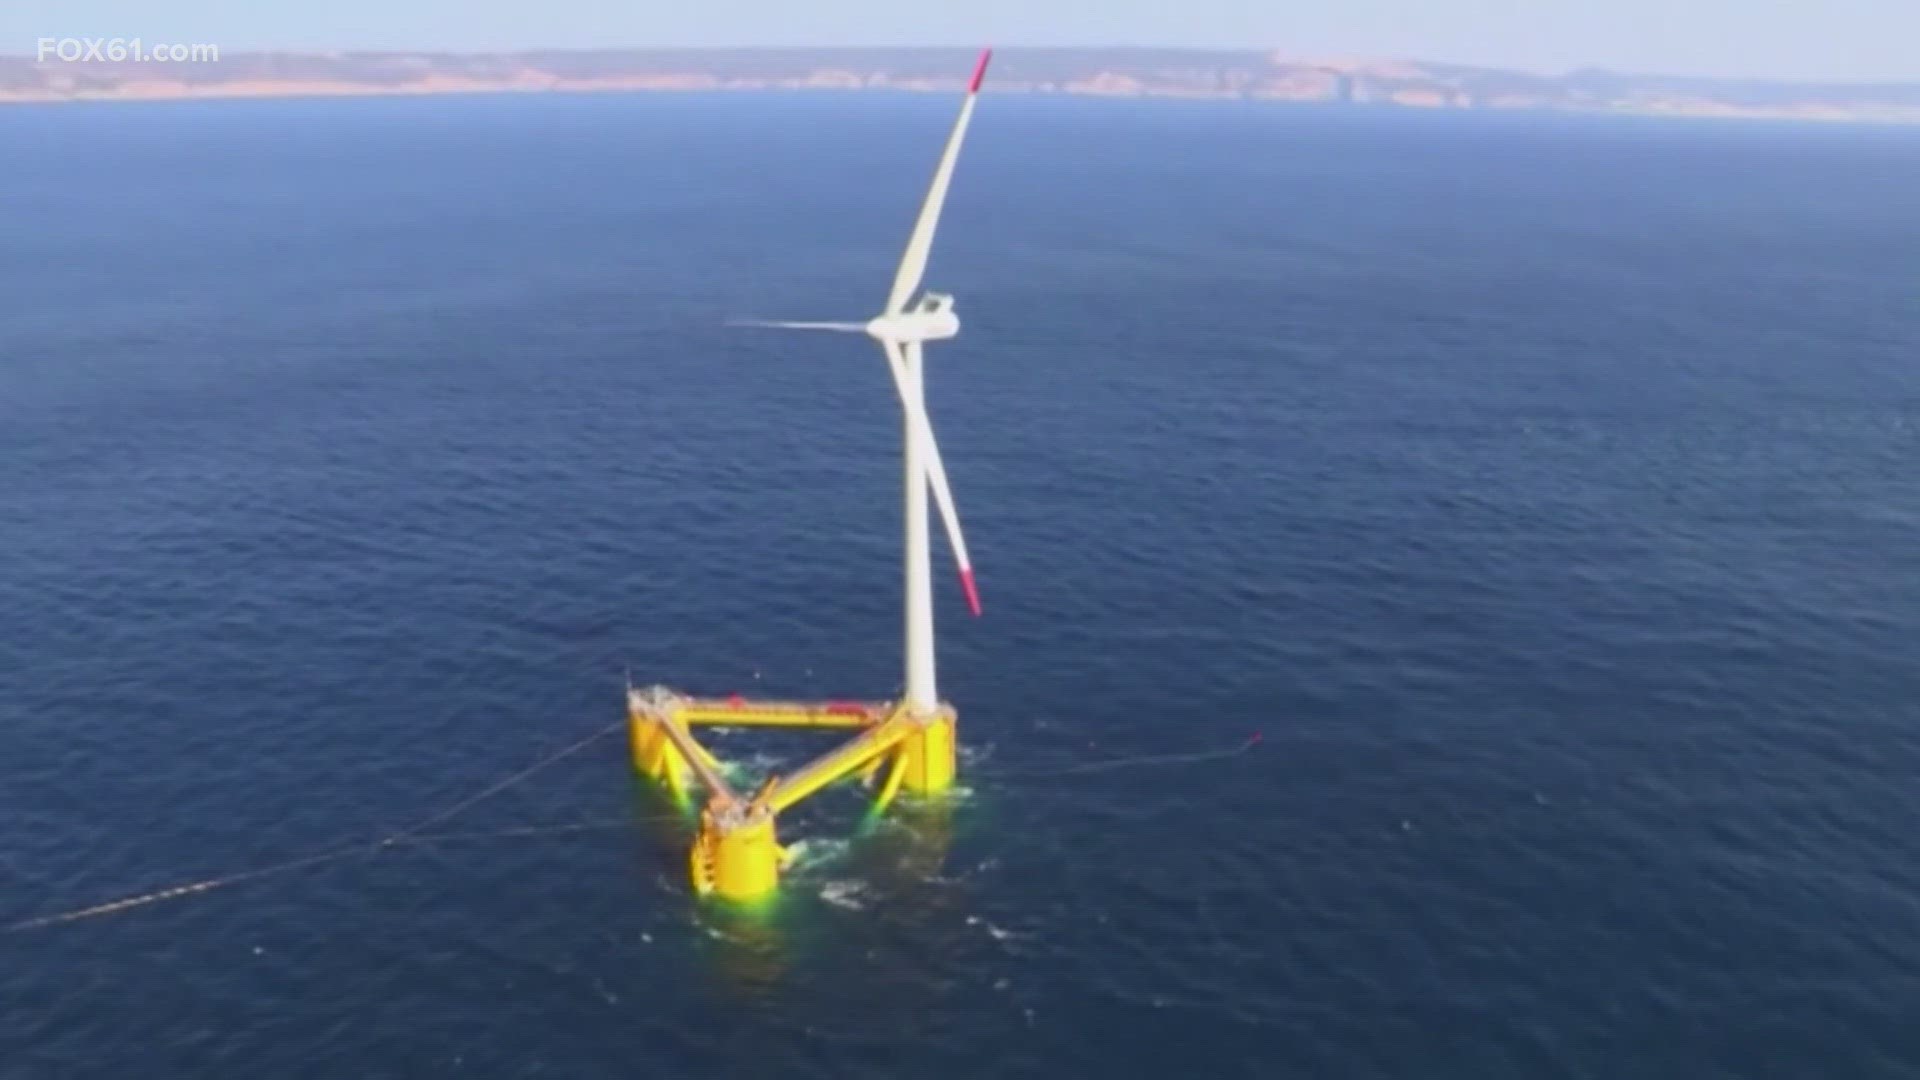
(1228, 74)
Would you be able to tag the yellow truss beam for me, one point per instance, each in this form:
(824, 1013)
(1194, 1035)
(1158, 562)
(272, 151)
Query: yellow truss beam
(703, 763)
(837, 763)
(736, 712)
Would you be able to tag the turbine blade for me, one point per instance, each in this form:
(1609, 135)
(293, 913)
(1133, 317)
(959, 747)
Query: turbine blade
(936, 472)
(943, 496)
(843, 327)
(913, 265)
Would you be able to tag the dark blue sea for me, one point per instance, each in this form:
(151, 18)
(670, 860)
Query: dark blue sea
(1542, 490)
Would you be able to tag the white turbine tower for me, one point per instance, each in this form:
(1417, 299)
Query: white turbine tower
(902, 328)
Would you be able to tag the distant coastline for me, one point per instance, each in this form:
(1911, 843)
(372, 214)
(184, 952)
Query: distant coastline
(1109, 72)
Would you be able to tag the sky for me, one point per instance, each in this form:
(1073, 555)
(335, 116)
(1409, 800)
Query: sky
(1808, 39)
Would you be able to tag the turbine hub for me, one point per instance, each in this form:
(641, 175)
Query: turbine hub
(929, 319)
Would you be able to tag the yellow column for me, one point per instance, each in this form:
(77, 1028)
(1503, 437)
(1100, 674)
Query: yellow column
(739, 860)
(929, 754)
(700, 856)
(641, 735)
(656, 757)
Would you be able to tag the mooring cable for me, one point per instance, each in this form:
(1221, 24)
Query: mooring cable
(411, 834)
(337, 852)
(207, 885)
(598, 825)
(435, 819)
(1136, 761)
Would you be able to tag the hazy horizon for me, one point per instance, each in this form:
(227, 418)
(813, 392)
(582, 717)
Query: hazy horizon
(1851, 41)
(1305, 57)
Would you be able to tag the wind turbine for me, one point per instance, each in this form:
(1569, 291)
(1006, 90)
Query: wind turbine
(902, 328)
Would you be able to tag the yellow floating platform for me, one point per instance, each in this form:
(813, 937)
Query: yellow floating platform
(736, 853)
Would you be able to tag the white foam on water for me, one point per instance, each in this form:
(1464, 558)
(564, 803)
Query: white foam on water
(814, 851)
(752, 766)
(844, 894)
(994, 931)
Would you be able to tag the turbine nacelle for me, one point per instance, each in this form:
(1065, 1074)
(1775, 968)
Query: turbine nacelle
(932, 319)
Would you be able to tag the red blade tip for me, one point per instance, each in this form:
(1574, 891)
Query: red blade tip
(979, 71)
(973, 594)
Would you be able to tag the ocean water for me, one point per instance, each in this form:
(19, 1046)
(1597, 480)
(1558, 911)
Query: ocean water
(1541, 490)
